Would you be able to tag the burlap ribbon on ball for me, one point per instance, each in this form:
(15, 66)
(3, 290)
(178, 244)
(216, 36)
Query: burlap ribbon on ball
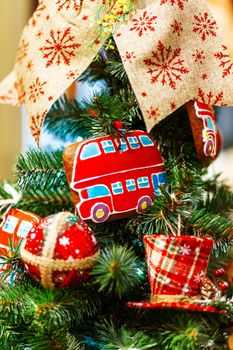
(171, 51)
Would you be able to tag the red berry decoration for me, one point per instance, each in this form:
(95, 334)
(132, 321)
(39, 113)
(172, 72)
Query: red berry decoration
(59, 251)
(219, 272)
(223, 285)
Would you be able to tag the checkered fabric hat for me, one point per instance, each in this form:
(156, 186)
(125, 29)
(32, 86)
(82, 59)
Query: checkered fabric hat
(176, 268)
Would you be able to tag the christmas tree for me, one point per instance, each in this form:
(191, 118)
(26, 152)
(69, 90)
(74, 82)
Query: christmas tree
(127, 239)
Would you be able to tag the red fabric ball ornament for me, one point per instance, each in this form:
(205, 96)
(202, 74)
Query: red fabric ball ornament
(223, 285)
(219, 272)
(59, 251)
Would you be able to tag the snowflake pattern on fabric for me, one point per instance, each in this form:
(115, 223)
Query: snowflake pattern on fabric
(36, 125)
(22, 51)
(166, 65)
(225, 61)
(144, 23)
(177, 28)
(128, 57)
(36, 90)
(199, 56)
(59, 47)
(37, 14)
(153, 113)
(68, 4)
(205, 25)
(179, 3)
(210, 98)
(184, 250)
(199, 277)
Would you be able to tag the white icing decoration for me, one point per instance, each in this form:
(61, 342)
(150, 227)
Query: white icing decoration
(64, 241)
(208, 133)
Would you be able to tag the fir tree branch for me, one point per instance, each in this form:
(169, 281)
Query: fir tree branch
(40, 169)
(112, 337)
(46, 202)
(93, 117)
(220, 200)
(204, 223)
(118, 270)
(66, 121)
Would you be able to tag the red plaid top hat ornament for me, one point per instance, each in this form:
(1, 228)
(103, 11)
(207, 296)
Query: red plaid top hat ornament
(176, 267)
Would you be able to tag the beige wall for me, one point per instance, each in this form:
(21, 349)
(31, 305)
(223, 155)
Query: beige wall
(13, 16)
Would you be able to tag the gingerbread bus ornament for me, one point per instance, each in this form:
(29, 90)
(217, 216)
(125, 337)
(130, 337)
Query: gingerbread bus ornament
(114, 177)
(15, 225)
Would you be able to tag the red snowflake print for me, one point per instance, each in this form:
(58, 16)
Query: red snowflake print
(36, 125)
(173, 105)
(199, 56)
(129, 56)
(225, 61)
(19, 86)
(204, 76)
(36, 90)
(39, 34)
(144, 23)
(210, 98)
(59, 47)
(16, 94)
(68, 4)
(153, 113)
(177, 27)
(73, 74)
(204, 25)
(37, 14)
(166, 65)
(29, 65)
(85, 18)
(50, 98)
(144, 94)
(22, 51)
(179, 3)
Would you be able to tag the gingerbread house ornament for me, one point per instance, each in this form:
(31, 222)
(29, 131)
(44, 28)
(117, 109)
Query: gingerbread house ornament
(15, 225)
(113, 178)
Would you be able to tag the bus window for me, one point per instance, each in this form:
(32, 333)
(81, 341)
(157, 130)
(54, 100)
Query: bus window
(158, 179)
(133, 142)
(145, 140)
(143, 182)
(10, 224)
(131, 185)
(108, 146)
(122, 147)
(24, 228)
(90, 150)
(162, 178)
(97, 191)
(117, 188)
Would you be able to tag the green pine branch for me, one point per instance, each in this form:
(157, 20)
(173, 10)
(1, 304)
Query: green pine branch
(40, 169)
(118, 270)
(44, 202)
(92, 117)
(113, 337)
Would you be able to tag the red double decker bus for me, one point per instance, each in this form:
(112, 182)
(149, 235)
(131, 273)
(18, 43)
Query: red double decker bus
(116, 177)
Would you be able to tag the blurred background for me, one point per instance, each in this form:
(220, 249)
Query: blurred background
(14, 132)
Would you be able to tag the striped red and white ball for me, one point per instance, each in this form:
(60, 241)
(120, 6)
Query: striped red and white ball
(60, 251)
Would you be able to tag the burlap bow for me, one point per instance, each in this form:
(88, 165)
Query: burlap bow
(171, 51)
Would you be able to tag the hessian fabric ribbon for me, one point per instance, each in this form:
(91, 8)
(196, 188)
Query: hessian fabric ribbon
(171, 51)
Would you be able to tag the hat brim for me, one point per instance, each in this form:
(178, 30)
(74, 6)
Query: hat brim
(182, 305)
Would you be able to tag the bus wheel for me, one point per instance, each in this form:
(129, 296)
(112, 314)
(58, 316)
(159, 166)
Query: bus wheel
(143, 204)
(100, 212)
